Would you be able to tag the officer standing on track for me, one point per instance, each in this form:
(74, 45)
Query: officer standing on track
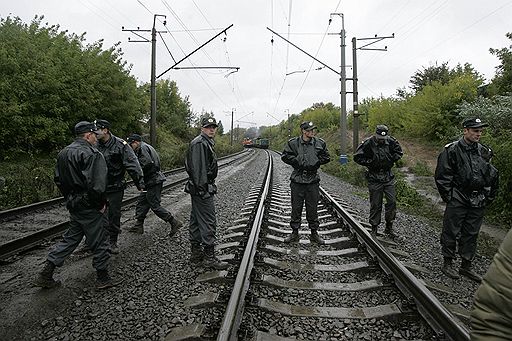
(467, 182)
(201, 166)
(379, 153)
(153, 180)
(305, 154)
(120, 158)
(81, 176)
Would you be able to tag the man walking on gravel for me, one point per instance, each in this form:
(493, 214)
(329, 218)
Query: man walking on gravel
(467, 182)
(81, 176)
(153, 180)
(201, 166)
(378, 154)
(120, 158)
(305, 154)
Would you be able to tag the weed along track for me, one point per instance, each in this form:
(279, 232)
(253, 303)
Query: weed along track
(352, 286)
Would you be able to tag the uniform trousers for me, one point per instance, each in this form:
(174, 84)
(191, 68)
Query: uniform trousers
(379, 190)
(115, 199)
(203, 220)
(461, 224)
(308, 193)
(151, 199)
(91, 223)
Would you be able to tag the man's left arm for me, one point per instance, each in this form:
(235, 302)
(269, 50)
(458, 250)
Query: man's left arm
(323, 154)
(132, 165)
(396, 152)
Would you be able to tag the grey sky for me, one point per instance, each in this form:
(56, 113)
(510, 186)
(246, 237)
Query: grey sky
(456, 31)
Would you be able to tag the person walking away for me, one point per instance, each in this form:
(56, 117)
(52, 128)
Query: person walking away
(491, 317)
(151, 198)
(467, 182)
(305, 154)
(81, 176)
(378, 154)
(201, 167)
(120, 158)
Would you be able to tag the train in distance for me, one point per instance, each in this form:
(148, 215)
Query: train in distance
(258, 142)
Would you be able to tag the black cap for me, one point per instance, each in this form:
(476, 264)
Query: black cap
(208, 122)
(85, 127)
(474, 123)
(382, 131)
(102, 124)
(307, 125)
(133, 138)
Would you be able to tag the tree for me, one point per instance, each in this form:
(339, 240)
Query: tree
(439, 74)
(173, 112)
(502, 81)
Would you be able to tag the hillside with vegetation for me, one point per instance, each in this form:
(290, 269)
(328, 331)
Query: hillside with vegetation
(51, 79)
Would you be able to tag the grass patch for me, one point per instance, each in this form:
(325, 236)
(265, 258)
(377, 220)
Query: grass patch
(420, 168)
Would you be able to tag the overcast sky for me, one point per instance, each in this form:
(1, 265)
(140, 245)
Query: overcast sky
(426, 32)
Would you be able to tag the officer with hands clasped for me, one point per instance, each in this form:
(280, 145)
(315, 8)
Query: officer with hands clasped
(120, 158)
(153, 180)
(81, 176)
(467, 182)
(305, 154)
(201, 166)
(378, 154)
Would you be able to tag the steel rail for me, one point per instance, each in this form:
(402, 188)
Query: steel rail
(15, 211)
(438, 317)
(31, 240)
(234, 310)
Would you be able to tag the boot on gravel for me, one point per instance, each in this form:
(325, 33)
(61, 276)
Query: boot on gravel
(138, 227)
(448, 269)
(104, 281)
(389, 229)
(374, 229)
(196, 254)
(45, 278)
(175, 226)
(315, 238)
(293, 237)
(465, 270)
(211, 261)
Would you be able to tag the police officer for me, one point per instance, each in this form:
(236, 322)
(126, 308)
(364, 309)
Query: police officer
(201, 166)
(120, 158)
(467, 182)
(81, 176)
(305, 154)
(379, 153)
(153, 180)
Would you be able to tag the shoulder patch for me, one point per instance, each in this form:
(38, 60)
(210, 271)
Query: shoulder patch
(449, 144)
(124, 142)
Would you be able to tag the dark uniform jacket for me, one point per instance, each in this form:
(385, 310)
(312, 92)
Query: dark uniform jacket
(201, 166)
(464, 174)
(379, 158)
(120, 158)
(491, 318)
(81, 176)
(150, 163)
(305, 158)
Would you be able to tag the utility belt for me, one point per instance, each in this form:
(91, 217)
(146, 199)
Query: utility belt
(473, 194)
(309, 172)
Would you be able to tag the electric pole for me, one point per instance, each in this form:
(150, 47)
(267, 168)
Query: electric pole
(152, 123)
(373, 40)
(232, 116)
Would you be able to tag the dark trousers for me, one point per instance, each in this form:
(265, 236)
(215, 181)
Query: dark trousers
(461, 224)
(379, 190)
(115, 200)
(90, 223)
(151, 199)
(203, 221)
(309, 193)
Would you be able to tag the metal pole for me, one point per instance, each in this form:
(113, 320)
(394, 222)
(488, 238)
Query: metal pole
(343, 99)
(231, 137)
(152, 127)
(355, 96)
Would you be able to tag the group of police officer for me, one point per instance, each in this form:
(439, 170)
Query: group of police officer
(90, 173)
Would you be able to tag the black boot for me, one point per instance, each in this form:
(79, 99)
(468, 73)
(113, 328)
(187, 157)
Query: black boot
(104, 281)
(315, 238)
(374, 229)
(138, 227)
(196, 253)
(45, 278)
(175, 226)
(465, 270)
(389, 229)
(114, 249)
(211, 261)
(293, 237)
(448, 269)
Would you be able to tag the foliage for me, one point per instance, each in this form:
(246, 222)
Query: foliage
(502, 81)
(173, 112)
(50, 80)
(441, 74)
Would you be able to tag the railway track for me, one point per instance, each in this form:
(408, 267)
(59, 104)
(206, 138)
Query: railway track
(26, 227)
(354, 285)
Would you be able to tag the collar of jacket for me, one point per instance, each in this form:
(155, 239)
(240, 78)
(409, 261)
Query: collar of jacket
(110, 142)
(301, 139)
(386, 141)
(468, 147)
